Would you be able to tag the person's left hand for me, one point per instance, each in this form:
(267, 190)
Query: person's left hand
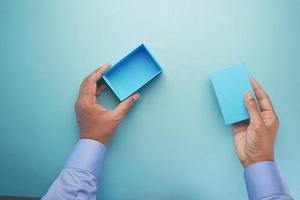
(95, 121)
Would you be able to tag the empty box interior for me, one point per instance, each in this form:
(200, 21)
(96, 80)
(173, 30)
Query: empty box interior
(132, 72)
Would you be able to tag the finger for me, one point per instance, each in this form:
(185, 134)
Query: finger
(101, 88)
(262, 98)
(124, 106)
(254, 112)
(88, 86)
(87, 91)
(97, 74)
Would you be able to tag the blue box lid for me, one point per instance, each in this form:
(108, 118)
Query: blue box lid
(230, 85)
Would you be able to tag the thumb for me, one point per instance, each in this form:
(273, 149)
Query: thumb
(124, 106)
(253, 109)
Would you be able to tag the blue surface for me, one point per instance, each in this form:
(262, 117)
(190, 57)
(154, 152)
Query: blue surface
(132, 72)
(230, 85)
(173, 144)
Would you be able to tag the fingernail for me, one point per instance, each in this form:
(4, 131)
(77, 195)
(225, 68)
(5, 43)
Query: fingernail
(249, 95)
(136, 96)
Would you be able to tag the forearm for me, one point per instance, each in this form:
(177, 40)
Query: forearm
(80, 176)
(265, 182)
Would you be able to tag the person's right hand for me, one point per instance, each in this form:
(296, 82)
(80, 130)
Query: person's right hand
(254, 140)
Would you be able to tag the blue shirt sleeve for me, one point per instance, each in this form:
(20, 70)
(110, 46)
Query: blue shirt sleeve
(79, 178)
(265, 182)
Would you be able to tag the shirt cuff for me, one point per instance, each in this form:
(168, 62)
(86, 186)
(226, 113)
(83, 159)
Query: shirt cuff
(88, 155)
(264, 179)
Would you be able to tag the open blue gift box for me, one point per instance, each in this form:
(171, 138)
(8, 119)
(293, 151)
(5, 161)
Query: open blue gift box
(132, 72)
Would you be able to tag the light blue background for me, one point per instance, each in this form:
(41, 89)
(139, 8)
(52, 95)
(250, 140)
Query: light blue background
(173, 143)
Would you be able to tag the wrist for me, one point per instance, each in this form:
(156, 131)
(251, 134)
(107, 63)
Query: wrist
(247, 163)
(102, 140)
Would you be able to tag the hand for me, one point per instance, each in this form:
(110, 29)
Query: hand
(254, 140)
(95, 121)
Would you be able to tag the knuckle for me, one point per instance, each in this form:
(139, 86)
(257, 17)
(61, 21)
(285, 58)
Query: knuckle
(83, 85)
(85, 105)
(251, 103)
(116, 116)
(81, 105)
(86, 80)
(257, 125)
(264, 97)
